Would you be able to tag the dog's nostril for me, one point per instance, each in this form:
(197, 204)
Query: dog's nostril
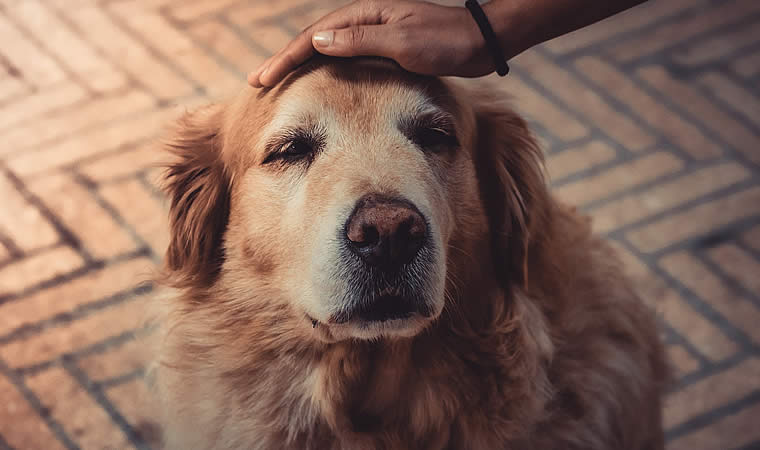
(386, 232)
(370, 236)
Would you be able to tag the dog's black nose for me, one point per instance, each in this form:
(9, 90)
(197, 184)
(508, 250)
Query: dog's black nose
(385, 232)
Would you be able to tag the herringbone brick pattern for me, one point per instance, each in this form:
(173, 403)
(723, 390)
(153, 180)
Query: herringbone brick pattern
(651, 122)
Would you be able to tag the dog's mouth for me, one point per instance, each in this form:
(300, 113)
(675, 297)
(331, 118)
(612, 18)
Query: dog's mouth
(373, 301)
(382, 308)
(386, 307)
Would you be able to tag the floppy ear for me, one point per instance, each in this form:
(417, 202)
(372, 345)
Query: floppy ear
(198, 187)
(509, 166)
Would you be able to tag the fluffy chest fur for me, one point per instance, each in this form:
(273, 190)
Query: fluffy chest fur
(467, 389)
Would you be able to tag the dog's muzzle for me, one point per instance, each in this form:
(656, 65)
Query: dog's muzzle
(387, 254)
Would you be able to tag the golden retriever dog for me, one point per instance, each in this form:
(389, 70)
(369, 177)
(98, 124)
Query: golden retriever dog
(362, 258)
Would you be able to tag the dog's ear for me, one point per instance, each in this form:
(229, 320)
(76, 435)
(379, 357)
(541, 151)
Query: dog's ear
(510, 172)
(198, 186)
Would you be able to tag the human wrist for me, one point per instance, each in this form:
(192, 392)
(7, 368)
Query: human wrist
(512, 31)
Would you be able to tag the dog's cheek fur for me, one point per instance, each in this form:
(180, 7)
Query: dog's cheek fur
(198, 187)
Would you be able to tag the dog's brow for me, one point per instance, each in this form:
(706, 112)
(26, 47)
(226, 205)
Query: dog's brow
(427, 116)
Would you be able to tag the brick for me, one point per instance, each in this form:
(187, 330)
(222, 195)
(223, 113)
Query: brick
(260, 10)
(740, 265)
(37, 268)
(650, 287)
(272, 38)
(22, 222)
(752, 238)
(671, 307)
(179, 48)
(72, 120)
(682, 30)
(651, 110)
(126, 162)
(192, 10)
(710, 393)
(155, 178)
(124, 359)
(151, 27)
(668, 195)
(141, 209)
(726, 301)
(706, 338)
(628, 21)
(218, 81)
(100, 140)
(81, 333)
(93, 286)
(20, 425)
(698, 106)
(133, 4)
(106, 81)
(747, 66)
(77, 54)
(80, 416)
(80, 213)
(539, 109)
(129, 53)
(4, 253)
(696, 221)
(36, 67)
(734, 96)
(11, 87)
(42, 102)
(620, 178)
(681, 361)
(584, 100)
(228, 45)
(136, 403)
(716, 48)
(301, 19)
(732, 431)
(574, 160)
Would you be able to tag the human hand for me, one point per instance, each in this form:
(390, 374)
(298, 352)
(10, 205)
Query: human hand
(421, 37)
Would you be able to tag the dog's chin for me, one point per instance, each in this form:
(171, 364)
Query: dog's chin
(400, 328)
(371, 330)
(373, 327)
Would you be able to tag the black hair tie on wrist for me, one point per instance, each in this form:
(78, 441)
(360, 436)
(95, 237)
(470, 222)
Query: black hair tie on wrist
(491, 42)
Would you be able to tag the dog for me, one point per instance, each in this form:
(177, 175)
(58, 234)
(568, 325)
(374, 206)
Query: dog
(364, 258)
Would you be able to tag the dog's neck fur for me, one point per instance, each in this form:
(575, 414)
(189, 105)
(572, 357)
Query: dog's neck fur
(379, 394)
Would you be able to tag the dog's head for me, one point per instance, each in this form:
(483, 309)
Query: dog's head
(345, 193)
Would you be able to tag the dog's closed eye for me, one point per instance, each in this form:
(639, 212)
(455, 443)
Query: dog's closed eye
(294, 146)
(431, 133)
(434, 139)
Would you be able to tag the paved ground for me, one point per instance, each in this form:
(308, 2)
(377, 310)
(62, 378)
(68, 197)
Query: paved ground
(651, 122)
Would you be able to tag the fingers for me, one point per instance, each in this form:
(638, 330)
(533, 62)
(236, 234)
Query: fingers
(298, 51)
(361, 40)
(302, 47)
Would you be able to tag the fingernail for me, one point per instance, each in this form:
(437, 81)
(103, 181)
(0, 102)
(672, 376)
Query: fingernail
(323, 38)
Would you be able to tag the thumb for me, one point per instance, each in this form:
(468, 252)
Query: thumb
(362, 40)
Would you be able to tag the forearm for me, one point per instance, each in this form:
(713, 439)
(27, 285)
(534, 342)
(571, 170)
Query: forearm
(521, 24)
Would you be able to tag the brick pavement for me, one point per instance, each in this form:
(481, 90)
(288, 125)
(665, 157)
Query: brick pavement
(651, 122)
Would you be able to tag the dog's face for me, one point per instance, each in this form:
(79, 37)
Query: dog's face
(338, 194)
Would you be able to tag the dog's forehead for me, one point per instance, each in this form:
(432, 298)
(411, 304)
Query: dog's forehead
(358, 90)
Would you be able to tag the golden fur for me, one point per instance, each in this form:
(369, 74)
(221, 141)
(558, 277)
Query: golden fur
(537, 342)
